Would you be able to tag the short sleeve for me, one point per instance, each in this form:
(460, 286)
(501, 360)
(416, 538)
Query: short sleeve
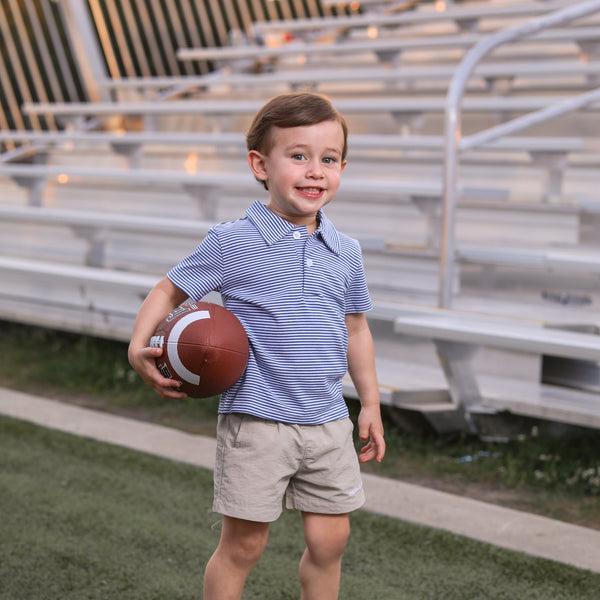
(202, 271)
(358, 299)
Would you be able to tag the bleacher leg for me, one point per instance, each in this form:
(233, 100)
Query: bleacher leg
(455, 360)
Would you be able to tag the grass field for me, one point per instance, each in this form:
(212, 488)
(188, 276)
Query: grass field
(85, 520)
(555, 477)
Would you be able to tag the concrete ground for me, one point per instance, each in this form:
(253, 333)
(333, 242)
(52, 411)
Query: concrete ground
(512, 529)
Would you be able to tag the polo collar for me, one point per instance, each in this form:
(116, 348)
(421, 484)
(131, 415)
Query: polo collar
(329, 234)
(273, 228)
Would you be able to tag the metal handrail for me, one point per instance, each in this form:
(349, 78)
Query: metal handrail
(454, 143)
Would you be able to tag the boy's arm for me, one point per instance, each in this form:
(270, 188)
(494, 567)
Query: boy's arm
(163, 298)
(361, 367)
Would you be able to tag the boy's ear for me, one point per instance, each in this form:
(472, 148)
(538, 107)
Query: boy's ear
(257, 164)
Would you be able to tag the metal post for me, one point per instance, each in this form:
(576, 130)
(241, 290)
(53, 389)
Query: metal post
(452, 130)
(84, 44)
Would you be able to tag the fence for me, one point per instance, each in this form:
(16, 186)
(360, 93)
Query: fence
(55, 50)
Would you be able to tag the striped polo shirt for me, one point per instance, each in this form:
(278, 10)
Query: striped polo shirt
(291, 293)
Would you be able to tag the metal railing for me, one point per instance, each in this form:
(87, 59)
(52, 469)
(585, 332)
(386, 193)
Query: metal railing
(454, 143)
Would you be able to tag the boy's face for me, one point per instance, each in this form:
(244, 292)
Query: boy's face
(302, 169)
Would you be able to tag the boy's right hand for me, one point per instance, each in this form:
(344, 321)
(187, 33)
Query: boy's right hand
(143, 361)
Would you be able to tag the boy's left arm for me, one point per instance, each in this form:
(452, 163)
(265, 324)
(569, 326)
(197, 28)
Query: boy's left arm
(361, 367)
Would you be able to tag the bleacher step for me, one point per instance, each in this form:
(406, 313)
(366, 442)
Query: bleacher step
(421, 390)
(547, 402)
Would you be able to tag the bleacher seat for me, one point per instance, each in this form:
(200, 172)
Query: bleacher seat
(90, 219)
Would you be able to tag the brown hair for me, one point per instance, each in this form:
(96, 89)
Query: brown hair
(292, 110)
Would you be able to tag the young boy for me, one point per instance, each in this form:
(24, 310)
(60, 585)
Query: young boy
(298, 287)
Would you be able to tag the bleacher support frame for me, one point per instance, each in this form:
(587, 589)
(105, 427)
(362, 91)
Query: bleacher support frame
(452, 127)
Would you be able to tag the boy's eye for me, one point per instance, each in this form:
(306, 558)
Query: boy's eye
(327, 160)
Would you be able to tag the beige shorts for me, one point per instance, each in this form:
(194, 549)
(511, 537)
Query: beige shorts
(261, 464)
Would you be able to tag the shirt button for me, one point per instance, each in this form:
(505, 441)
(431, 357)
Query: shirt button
(297, 235)
(309, 262)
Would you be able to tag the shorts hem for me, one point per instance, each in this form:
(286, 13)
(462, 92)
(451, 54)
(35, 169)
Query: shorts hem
(235, 513)
(326, 509)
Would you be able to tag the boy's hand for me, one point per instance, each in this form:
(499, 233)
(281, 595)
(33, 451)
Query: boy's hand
(370, 431)
(143, 361)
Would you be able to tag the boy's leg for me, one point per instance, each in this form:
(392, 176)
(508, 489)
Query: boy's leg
(240, 547)
(326, 538)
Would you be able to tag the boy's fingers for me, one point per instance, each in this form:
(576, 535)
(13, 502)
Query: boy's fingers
(174, 394)
(367, 453)
(363, 433)
(375, 449)
(380, 445)
(169, 388)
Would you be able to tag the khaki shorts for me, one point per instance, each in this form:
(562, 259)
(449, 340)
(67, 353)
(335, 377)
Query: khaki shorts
(260, 464)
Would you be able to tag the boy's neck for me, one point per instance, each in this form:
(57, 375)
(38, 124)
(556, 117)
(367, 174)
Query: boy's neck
(311, 226)
(314, 225)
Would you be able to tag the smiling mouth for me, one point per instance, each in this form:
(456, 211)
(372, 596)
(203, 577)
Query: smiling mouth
(311, 191)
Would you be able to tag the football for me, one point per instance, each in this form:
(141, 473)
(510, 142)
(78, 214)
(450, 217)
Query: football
(204, 346)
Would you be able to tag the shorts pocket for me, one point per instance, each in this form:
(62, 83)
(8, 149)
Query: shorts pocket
(228, 429)
(253, 431)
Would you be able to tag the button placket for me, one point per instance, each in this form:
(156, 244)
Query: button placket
(309, 275)
(308, 262)
(301, 250)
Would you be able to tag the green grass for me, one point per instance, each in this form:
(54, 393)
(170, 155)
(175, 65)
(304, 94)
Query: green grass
(553, 476)
(93, 372)
(85, 520)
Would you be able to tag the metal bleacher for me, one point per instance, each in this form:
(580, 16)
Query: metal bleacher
(477, 208)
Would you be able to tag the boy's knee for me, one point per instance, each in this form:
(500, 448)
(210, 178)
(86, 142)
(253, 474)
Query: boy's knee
(327, 544)
(246, 554)
(244, 548)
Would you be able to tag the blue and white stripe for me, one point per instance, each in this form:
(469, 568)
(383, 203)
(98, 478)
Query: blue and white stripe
(291, 292)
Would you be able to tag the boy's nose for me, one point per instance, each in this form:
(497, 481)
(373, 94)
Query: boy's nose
(315, 168)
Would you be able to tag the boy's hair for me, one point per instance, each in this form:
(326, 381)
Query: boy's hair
(291, 110)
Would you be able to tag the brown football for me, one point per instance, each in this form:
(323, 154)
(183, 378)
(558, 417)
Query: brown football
(204, 346)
